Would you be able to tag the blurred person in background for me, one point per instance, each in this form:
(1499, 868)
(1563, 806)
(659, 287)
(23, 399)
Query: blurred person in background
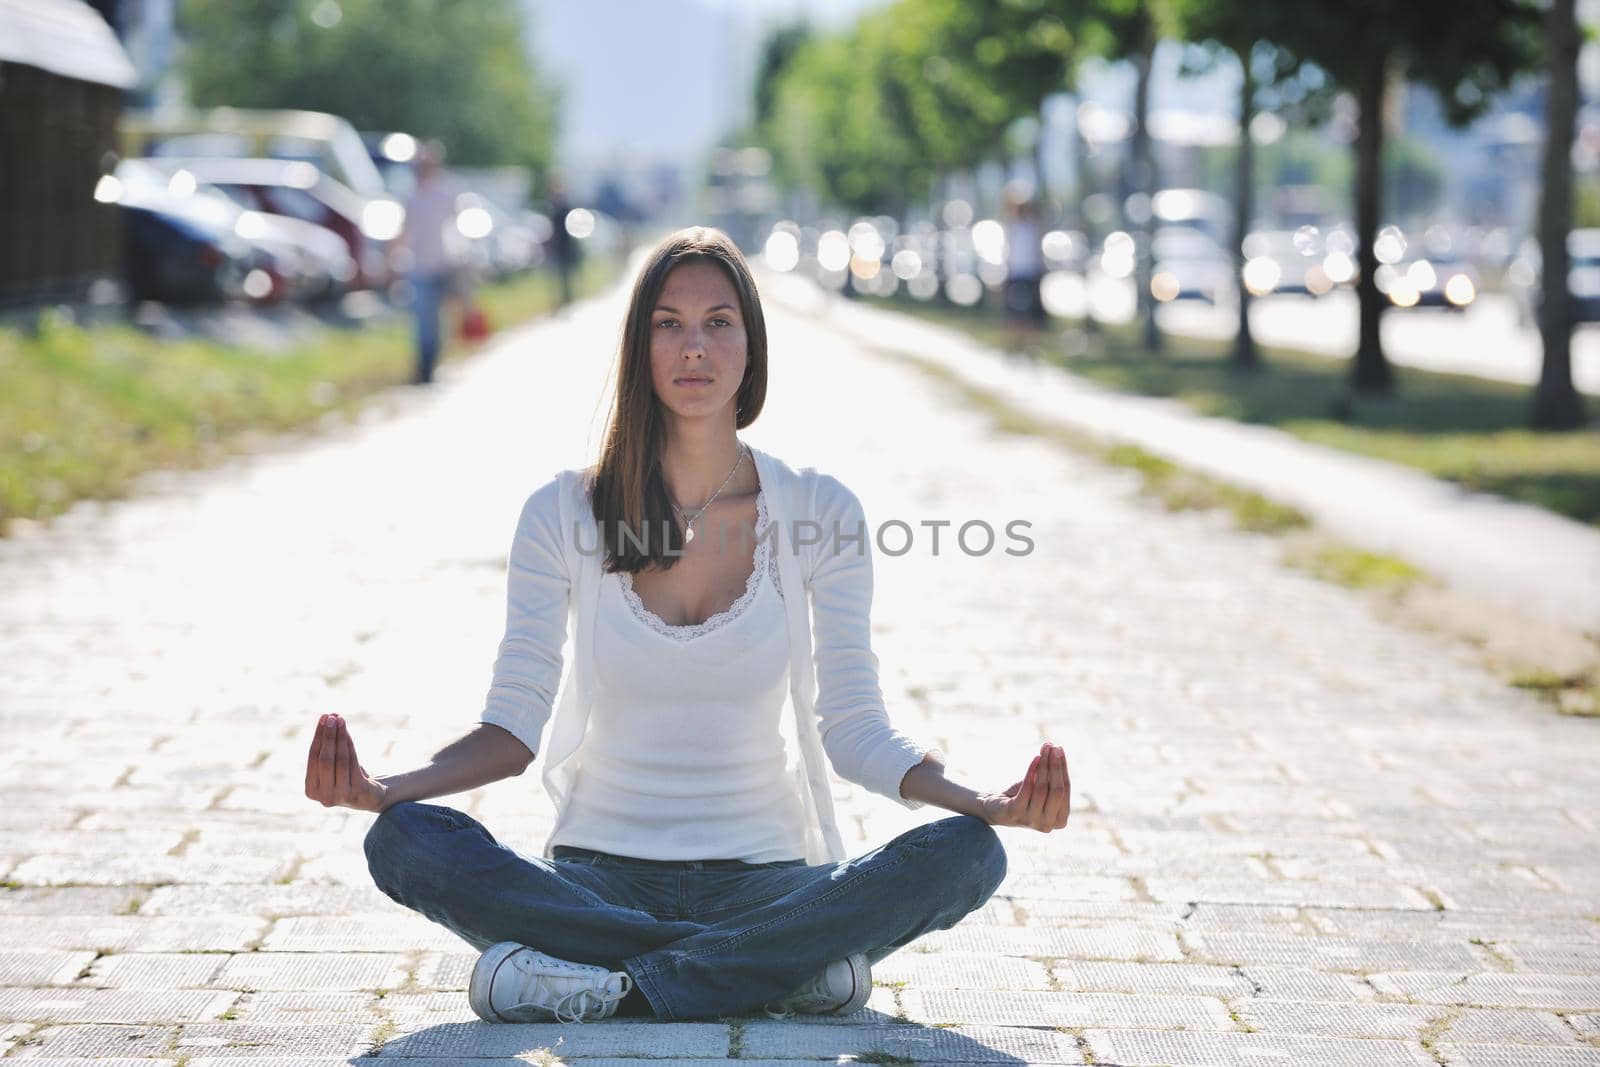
(430, 253)
(1024, 267)
(563, 246)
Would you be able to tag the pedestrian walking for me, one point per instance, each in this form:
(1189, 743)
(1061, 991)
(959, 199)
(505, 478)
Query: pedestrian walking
(694, 868)
(430, 247)
(563, 245)
(1024, 268)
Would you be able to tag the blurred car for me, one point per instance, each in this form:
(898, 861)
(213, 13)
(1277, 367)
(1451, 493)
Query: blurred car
(1583, 277)
(1445, 280)
(302, 261)
(1286, 261)
(1189, 265)
(1204, 212)
(299, 190)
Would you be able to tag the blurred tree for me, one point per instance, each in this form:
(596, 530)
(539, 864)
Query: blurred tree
(833, 129)
(1556, 403)
(1413, 178)
(1128, 30)
(1465, 49)
(456, 71)
(1271, 77)
(777, 53)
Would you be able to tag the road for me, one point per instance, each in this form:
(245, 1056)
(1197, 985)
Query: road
(1486, 340)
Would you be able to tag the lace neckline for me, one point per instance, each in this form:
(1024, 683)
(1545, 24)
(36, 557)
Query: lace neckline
(764, 561)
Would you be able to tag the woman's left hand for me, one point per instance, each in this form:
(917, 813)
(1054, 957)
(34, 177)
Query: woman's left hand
(1041, 801)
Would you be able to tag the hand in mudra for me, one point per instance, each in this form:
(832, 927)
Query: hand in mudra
(333, 774)
(1041, 801)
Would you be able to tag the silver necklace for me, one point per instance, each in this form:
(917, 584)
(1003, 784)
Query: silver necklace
(692, 516)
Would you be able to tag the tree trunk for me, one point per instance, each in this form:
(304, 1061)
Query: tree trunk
(1245, 356)
(1144, 182)
(1556, 404)
(1371, 372)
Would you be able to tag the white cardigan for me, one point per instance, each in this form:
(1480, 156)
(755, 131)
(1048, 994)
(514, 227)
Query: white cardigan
(838, 707)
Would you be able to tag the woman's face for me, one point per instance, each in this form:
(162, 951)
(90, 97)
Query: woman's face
(698, 349)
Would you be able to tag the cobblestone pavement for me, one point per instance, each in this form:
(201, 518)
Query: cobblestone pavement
(1300, 835)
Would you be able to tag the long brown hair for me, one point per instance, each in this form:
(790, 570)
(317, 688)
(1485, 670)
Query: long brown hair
(629, 496)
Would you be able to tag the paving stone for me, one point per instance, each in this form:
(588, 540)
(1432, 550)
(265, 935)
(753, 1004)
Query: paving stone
(613, 1038)
(1560, 992)
(359, 933)
(1134, 1048)
(1326, 893)
(445, 970)
(411, 1011)
(111, 1005)
(1299, 983)
(1148, 978)
(312, 971)
(1332, 953)
(99, 1042)
(261, 900)
(1026, 1008)
(1399, 1021)
(276, 1007)
(1493, 1026)
(1552, 957)
(156, 970)
(41, 968)
(1585, 1024)
(948, 970)
(961, 1044)
(229, 1039)
(68, 900)
(127, 933)
(1045, 911)
(113, 869)
(1517, 1056)
(1073, 942)
(317, 1061)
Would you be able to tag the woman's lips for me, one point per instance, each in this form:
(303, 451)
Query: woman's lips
(692, 381)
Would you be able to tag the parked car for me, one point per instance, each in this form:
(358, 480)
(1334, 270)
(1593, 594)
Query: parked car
(303, 261)
(1188, 265)
(1583, 277)
(181, 260)
(1286, 261)
(1445, 280)
(299, 190)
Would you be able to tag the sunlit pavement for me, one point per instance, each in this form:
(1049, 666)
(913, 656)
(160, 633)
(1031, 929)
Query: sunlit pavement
(1299, 833)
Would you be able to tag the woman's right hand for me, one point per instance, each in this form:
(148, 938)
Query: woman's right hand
(334, 776)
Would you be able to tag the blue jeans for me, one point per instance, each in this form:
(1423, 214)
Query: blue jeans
(427, 297)
(703, 938)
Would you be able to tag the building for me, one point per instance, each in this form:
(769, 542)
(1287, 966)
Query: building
(63, 75)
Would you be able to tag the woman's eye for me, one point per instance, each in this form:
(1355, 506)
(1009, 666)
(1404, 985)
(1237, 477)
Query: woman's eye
(667, 322)
(722, 322)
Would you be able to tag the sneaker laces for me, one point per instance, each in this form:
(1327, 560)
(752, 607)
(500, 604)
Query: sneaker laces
(580, 1004)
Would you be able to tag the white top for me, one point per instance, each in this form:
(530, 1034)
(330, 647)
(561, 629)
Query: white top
(430, 234)
(547, 667)
(1024, 251)
(684, 759)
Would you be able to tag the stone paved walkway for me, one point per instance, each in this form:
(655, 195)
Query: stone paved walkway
(1300, 835)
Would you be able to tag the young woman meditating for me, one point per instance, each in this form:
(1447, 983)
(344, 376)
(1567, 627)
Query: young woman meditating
(719, 604)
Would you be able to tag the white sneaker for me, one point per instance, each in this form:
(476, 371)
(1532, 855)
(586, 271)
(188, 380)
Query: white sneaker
(512, 983)
(842, 987)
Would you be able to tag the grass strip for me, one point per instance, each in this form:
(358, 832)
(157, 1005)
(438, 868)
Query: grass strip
(1457, 427)
(86, 410)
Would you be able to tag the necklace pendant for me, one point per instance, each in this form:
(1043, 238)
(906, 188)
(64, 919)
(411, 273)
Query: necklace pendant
(688, 535)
